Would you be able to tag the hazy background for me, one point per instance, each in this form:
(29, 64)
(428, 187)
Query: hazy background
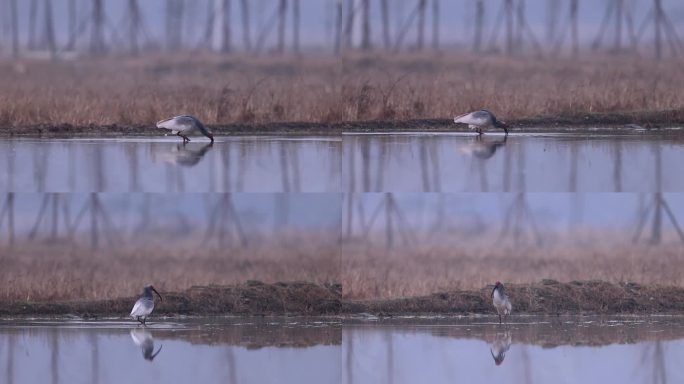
(455, 19)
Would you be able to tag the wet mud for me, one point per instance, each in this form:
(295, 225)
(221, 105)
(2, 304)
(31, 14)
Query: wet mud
(621, 122)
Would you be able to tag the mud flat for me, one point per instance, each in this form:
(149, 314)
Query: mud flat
(250, 298)
(665, 121)
(547, 297)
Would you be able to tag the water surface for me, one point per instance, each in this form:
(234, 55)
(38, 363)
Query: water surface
(231, 164)
(585, 162)
(190, 351)
(528, 350)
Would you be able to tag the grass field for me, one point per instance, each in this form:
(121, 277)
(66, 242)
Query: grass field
(372, 271)
(53, 271)
(322, 89)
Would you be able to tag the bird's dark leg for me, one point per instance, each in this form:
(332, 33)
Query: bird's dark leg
(144, 320)
(499, 318)
(138, 319)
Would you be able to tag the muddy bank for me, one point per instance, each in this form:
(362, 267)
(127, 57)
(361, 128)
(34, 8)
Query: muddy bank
(630, 122)
(250, 298)
(548, 297)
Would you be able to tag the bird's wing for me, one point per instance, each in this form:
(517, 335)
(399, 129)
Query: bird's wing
(474, 118)
(177, 124)
(137, 308)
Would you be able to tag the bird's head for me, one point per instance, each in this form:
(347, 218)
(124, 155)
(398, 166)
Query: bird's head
(502, 125)
(498, 285)
(150, 288)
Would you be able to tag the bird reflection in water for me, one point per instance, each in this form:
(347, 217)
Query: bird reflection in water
(500, 346)
(144, 340)
(182, 155)
(483, 148)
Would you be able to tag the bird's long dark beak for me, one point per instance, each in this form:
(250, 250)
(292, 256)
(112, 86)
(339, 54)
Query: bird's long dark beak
(155, 291)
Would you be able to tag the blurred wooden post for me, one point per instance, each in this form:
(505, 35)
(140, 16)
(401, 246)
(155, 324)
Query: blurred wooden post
(14, 14)
(552, 18)
(220, 26)
(574, 8)
(282, 13)
(520, 26)
(508, 6)
(619, 5)
(295, 25)
(479, 25)
(658, 9)
(225, 30)
(246, 37)
(174, 24)
(50, 30)
(349, 29)
(338, 26)
(384, 10)
(365, 25)
(97, 28)
(422, 8)
(33, 13)
(435, 24)
(73, 29)
(134, 25)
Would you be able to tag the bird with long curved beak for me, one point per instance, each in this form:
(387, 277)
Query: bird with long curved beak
(145, 304)
(482, 119)
(185, 125)
(501, 301)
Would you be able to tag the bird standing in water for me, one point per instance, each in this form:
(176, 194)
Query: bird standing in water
(185, 125)
(145, 304)
(482, 119)
(501, 301)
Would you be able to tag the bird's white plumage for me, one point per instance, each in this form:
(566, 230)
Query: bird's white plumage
(502, 303)
(177, 124)
(142, 307)
(473, 120)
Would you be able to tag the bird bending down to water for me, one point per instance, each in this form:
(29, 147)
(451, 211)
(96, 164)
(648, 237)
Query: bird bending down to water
(145, 304)
(185, 125)
(501, 301)
(481, 119)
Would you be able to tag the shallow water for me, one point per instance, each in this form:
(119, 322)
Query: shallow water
(232, 164)
(413, 162)
(585, 350)
(191, 351)
(519, 163)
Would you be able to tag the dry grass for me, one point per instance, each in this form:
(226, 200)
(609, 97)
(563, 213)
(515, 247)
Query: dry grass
(55, 272)
(458, 263)
(321, 89)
